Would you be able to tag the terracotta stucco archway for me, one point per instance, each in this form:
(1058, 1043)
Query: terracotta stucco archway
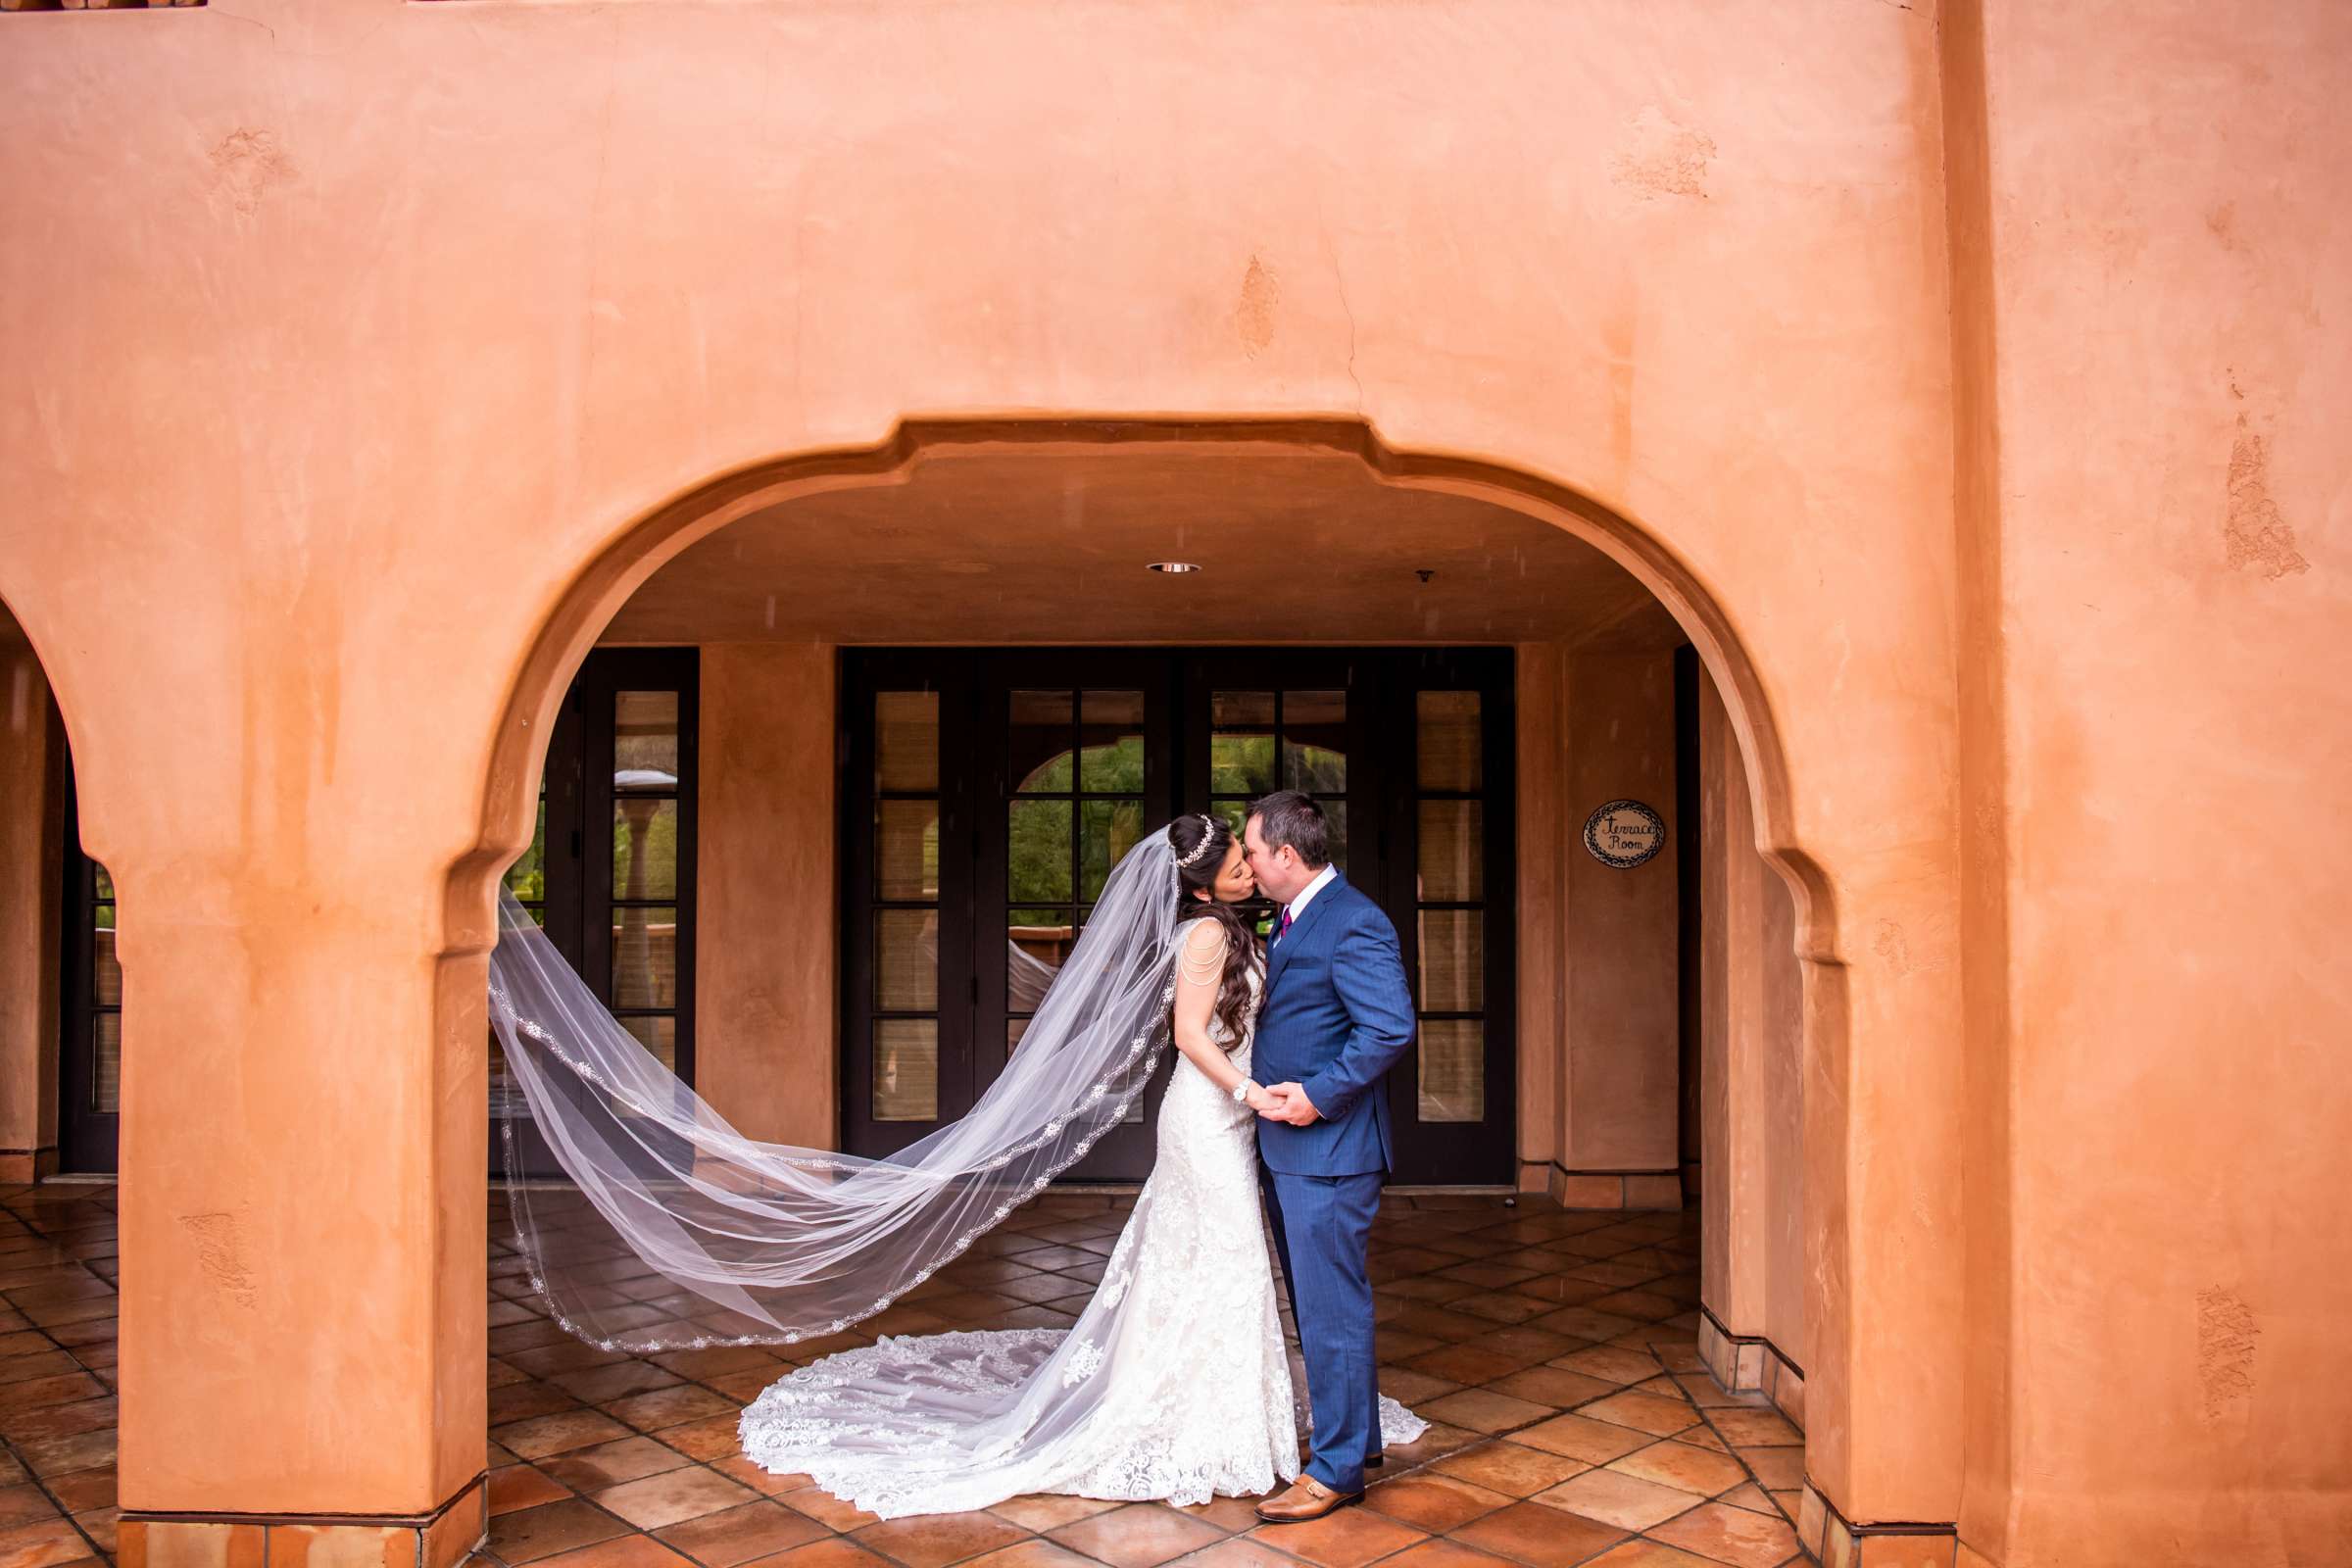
(37, 768)
(597, 589)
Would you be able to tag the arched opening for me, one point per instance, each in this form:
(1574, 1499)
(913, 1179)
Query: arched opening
(845, 965)
(37, 971)
(61, 1061)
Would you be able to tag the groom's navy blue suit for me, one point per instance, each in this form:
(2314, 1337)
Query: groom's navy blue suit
(1337, 1016)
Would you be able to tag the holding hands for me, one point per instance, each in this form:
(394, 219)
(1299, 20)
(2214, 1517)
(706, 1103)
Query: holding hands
(1284, 1102)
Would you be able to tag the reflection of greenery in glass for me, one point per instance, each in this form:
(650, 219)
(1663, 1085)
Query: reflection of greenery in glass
(1055, 775)
(526, 878)
(1037, 917)
(1037, 865)
(1240, 743)
(103, 918)
(105, 884)
(1240, 765)
(1113, 769)
(1316, 769)
(1108, 830)
(660, 852)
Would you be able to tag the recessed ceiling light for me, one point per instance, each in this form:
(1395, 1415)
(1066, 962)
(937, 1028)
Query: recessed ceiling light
(1172, 565)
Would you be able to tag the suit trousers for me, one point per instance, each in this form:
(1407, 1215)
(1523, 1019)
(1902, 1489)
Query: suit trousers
(1323, 1232)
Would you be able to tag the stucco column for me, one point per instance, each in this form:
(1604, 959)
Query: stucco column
(1620, 1135)
(766, 1050)
(1751, 1089)
(1541, 837)
(303, 1206)
(33, 774)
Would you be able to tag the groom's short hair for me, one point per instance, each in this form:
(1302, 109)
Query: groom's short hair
(1292, 818)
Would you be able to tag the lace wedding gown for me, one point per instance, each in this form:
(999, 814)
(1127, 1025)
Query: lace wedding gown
(1174, 1384)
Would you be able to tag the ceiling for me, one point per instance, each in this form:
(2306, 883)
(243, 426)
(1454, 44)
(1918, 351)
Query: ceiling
(1006, 546)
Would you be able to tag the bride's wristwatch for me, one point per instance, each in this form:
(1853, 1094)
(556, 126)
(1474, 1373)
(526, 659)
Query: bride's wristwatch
(1240, 1092)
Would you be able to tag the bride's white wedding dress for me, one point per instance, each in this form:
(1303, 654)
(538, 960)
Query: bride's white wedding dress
(1174, 1384)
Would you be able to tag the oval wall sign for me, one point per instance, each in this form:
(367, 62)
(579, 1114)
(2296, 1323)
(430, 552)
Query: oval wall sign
(1624, 834)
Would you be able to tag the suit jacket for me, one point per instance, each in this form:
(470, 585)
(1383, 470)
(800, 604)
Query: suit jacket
(1337, 1016)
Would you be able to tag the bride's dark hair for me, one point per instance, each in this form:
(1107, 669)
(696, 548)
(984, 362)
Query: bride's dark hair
(1202, 844)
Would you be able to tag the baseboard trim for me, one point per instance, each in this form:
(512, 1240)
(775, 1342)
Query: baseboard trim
(1647, 1190)
(1837, 1542)
(441, 1538)
(22, 1167)
(1750, 1363)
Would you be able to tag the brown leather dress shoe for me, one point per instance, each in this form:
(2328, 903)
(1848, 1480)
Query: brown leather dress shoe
(1304, 1500)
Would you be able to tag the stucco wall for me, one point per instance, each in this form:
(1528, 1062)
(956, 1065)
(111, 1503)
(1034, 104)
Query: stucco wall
(1751, 1171)
(2161, 251)
(1597, 963)
(1623, 1043)
(437, 338)
(766, 1050)
(32, 772)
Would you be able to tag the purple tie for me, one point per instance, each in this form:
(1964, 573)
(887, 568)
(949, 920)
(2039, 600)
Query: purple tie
(1284, 929)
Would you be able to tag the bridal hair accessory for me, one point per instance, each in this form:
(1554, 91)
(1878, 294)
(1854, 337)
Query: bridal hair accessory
(1208, 825)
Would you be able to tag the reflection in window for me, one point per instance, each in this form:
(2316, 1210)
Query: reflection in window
(906, 1084)
(1450, 754)
(906, 741)
(907, 850)
(1040, 732)
(1449, 926)
(658, 1034)
(645, 739)
(645, 848)
(105, 1043)
(1111, 741)
(1107, 831)
(1454, 960)
(906, 960)
(1452, 851)
(645, 957)
(1240, 743)
(1453, 1070)
(1314, 742)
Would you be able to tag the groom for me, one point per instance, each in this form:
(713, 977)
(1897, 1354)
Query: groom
(1337, 1016)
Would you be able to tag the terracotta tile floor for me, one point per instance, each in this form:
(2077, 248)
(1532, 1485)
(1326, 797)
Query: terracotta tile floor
(1554, 1349)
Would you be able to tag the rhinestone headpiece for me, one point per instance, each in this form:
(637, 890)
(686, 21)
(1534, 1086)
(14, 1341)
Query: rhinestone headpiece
(1186, 860)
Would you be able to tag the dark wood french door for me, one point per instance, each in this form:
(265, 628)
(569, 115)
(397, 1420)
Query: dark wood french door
(610, 873)
(89, 1078)
(987, 794)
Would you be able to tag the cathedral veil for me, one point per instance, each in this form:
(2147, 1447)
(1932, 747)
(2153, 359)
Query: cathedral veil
(676, 1231)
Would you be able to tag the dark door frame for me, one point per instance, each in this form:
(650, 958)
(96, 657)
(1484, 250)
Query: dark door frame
(574, 844)
(1383, 834)
(89, 1140)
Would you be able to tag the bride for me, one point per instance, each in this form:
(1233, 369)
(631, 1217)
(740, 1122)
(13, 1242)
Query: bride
(1174, 1384)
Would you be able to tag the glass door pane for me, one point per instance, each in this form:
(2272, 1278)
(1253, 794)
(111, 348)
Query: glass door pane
(1448, 914)
(610, 871)
(902, 1080)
